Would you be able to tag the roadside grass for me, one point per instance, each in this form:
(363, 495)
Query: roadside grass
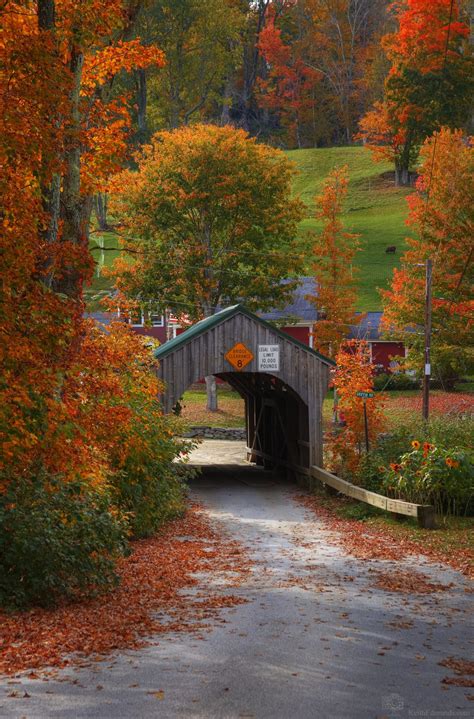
(231, 411)
(375, 209)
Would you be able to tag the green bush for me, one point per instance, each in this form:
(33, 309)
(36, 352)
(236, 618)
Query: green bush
(57, 539)
(149, 486)
(450, 488)
(395, 381)
(432, 475)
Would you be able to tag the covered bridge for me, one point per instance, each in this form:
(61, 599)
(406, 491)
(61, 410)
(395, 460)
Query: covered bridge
(282, 381)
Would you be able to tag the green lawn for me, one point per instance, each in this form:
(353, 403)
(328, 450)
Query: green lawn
(375, 209)
(101, 284)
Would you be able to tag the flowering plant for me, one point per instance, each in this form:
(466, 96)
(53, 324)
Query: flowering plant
(430, 474)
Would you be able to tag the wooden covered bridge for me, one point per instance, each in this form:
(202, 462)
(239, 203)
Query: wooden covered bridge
(282, 381)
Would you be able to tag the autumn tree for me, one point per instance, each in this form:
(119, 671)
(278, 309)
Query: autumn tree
(288, 86)
(442, 228)
(76, 403)
(354, 373)
(199, 41)
(342, 41)
(318, 55)
(332, 261)
(430, 82)
(210, 220)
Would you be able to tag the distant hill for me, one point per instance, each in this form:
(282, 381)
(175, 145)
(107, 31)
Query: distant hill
(376, 209)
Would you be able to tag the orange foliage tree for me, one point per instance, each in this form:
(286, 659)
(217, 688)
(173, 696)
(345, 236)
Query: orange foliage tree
(442, 221)
(354, 373)
(429, 84)
(332, 257)
(288, 88)
(71, 397)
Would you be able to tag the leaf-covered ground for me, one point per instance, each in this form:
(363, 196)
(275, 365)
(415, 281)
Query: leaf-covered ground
(377, 538)
(402, 407)
(151, 599)
(231, 412)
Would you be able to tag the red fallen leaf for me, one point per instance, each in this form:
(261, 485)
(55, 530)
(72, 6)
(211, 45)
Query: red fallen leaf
(458, 681)
(158, 694)
(460, 666)
(154, 579)
(408, 582)
(380, 540)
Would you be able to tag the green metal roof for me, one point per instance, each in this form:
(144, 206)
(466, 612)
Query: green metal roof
(209, 322)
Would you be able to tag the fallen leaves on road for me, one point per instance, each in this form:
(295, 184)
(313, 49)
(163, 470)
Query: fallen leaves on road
(463, 668)
(155, 578)
(378, 539)
(408, 582)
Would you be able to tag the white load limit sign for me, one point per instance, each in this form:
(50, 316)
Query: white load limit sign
(269, 358)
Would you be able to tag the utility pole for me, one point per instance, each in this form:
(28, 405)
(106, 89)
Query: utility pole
(427, 369)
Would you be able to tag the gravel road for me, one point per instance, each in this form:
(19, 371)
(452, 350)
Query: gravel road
(316, 638)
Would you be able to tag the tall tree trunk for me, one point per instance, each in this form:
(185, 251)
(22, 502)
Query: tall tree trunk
(141, 85)
(227, 101)
(211, 385)
(50, 185)
(211, 389)
(73, 206)
(101, 203)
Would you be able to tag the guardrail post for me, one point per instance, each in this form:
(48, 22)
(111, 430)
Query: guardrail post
(426, 517)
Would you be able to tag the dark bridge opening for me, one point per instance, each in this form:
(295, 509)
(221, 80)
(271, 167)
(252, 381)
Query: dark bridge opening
(276, 420)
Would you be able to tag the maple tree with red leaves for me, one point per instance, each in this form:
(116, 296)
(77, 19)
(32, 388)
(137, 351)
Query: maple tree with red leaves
(429, 83)
(288, 88)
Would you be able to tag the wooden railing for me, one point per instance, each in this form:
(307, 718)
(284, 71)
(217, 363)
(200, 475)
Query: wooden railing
(423, 512)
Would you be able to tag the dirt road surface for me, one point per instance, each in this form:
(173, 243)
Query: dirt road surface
(316, 639)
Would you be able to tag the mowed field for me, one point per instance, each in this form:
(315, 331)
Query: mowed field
(375, 209)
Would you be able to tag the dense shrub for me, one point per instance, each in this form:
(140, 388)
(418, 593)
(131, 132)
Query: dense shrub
(106, 454)
(149, 486)
(432, 475)
(396, 381)
(432, 478)
(57, 539)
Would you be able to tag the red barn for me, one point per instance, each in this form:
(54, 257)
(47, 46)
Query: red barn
(296, 319)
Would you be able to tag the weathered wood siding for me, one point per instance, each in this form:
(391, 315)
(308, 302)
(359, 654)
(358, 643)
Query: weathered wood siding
(300, 369)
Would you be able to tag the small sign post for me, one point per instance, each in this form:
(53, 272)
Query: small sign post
(365, 396)
(268, 358)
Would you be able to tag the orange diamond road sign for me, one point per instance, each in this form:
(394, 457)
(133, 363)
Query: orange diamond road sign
(239, 356)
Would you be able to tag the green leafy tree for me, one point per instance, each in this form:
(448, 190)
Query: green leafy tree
(210, 221)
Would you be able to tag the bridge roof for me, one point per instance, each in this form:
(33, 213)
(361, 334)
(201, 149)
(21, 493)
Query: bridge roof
(209, 322)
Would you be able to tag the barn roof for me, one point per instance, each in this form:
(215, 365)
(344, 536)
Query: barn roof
(209, 322)
(368, 327)
(299, 305)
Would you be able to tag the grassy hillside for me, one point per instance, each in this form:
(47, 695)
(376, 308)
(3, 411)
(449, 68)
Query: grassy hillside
(375, 209)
